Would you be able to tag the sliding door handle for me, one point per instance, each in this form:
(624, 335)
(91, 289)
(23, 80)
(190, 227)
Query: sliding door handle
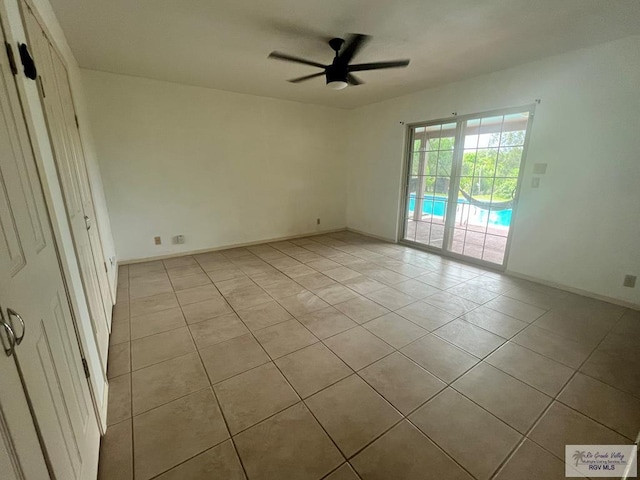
(12, 313)
(10, 336)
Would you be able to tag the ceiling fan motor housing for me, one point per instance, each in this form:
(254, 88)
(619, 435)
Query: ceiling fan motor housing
(336, 73)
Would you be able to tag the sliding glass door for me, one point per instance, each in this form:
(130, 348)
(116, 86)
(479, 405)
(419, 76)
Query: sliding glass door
(462, 183)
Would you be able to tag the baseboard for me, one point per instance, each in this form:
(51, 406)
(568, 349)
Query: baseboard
(577, 291)
(102, 420)
(366, 234)
(233, 245)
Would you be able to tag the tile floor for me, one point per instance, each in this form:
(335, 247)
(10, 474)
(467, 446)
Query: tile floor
(342, 357)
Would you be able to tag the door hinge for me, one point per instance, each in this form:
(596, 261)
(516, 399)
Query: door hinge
(12, 59)
(28, 63)
(85, 365)
(77, 123)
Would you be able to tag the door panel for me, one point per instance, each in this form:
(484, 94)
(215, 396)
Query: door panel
(70, 174)
(46, 366)
(462, 184)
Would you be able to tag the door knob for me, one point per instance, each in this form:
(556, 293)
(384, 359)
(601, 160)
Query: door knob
(12, 313)
(10, 336)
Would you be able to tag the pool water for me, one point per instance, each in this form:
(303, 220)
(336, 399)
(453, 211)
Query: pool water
(437, 206)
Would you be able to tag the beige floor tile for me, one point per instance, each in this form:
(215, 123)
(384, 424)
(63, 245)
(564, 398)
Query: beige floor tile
(585, 331)
(252, 396)
(425, 315)
(119, 361)
(120, 333)
(289, 445)
(153, 304)
(614, 370)
(238, 283)
(176, 262)
(283, 288)
(220, 462)
(562, 426)
(451, 303)
(439, 280)
(341, 274)
(352, 413)
(615, 409)
(119, 405)
(388, 277)
(206, 310)
(336, 293)
(358, 347)
(512, 401)
(120, 312)
(166, 381)
(471, 435)
(116, 453)
(402, 382)
(247, 297)
(473, 292)
(217, 330)
(144, 268)
(395, 330)
(190, 281)
(312, 369)
(263, 315)
(534, 369)
(363, 285)
(416, 289)
(344, 472)
(150, 287)
(198, 294)
(550, 345)
(533, 297)
(298, 271)
(390, 298)
(439, 357)
(175, 432)
(161, 346)
(361, 309)
(284, 338)
(218, 272)
(516, 309)
(494, 321)
(327, 322)
(404, 452)
(323, 265)
(315, 281)
(303, 303)
(470, 338)
(226, 359)
(159, 322)
(531, 462)
(184, 270)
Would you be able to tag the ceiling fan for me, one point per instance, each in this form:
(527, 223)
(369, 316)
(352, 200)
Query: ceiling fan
(338, 73)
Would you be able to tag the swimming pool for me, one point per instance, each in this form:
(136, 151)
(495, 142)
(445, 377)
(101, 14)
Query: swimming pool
(437, 206)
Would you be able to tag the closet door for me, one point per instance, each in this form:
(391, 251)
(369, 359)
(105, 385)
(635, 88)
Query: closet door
(40, 359)
(72, 176)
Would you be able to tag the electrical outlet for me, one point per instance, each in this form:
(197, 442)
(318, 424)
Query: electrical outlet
(540, 168)
(179, 239)
(629, 281)
(535, 182)
(157, 240)
(318, 221)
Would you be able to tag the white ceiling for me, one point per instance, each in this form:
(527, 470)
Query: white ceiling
(224, 43)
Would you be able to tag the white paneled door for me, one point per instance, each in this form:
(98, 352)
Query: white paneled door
(47, 422)
(65, 140)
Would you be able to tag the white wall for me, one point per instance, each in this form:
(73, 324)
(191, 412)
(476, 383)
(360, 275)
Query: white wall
(220, 168)
(53, 194)
(581, 228)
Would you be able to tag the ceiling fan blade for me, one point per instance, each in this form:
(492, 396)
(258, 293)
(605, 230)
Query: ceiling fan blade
(353, 80)
(378, 65)
(354, 44)
(291, 58)
(306, 77)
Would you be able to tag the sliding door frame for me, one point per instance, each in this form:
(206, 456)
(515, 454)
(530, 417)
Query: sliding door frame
(458, 152)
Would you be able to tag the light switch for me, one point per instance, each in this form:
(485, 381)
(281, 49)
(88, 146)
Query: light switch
(535, 182)
(540, 168)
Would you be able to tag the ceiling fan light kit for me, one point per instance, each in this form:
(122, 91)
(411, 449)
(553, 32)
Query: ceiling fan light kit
(338, 74)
